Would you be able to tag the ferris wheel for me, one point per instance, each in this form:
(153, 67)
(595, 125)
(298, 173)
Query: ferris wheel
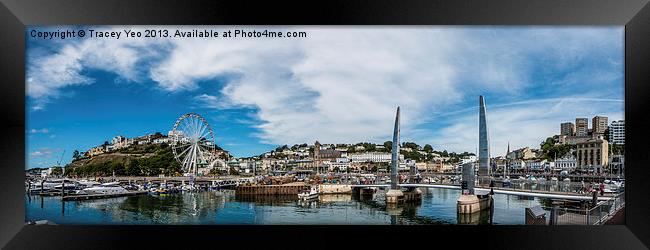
(192, 142)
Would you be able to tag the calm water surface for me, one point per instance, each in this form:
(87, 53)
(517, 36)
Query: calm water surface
(438, 206)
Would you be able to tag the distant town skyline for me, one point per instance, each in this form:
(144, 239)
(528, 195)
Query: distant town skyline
(335, 86)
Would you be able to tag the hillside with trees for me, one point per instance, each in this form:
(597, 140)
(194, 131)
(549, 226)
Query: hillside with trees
(135, 160)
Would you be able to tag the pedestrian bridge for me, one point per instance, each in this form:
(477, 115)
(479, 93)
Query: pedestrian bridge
(540, 194)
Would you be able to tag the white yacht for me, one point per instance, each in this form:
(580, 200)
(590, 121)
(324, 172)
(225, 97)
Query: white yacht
(87, 183)
(50, 184)
(46, 185)
(106, 188)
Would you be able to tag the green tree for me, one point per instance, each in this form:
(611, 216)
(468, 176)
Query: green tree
(133, 168)
(76, 155)
(411, 145)
(550, 149)
(388, 145)
(428, 148)
(57, 171)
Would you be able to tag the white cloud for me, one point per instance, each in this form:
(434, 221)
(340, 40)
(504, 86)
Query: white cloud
(523, 124)
(342, 85)
(48, 75)
(39, 131)
(43, 152)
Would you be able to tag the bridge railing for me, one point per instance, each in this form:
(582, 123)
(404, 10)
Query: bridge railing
(548, 186)
(597, 215)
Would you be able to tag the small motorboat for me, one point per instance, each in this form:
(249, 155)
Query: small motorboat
(188, 188)
(312, 194)
(158, 191)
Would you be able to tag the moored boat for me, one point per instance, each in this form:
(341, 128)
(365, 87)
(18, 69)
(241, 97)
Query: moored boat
(312, 194)
(106, 188)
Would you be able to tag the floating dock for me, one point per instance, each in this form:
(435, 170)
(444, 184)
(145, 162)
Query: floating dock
(100, 196)
(271, 189)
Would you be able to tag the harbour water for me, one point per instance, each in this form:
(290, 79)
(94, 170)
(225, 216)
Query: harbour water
(438, 206)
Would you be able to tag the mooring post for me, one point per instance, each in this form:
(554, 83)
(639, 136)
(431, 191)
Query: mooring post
(594, 199)
(553, 217)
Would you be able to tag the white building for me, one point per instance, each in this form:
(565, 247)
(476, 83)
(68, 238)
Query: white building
(568, 162)
(471, 158)
(119, 142)
(302, 153)
(342, 166)
(549, 165)
(617, 132)
(372, 157)
(46, 172)
(178, 134)
(536, 165)
(517, 164)
(161, 140)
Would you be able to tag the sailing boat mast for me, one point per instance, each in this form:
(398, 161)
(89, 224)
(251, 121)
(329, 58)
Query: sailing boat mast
(505, 168)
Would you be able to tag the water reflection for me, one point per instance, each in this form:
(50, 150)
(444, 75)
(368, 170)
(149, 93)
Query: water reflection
(224, 207)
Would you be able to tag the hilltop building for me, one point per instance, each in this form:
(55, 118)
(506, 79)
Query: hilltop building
(522, 154)
(598, 125)
(372, 157)
(567, 129)
(582, 127)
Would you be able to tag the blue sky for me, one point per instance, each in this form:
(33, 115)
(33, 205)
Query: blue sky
(338, 85)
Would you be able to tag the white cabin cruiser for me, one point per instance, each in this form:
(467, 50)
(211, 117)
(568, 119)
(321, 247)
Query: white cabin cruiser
(87, 183)
(52, 184)
(312, 194)
(106, 188)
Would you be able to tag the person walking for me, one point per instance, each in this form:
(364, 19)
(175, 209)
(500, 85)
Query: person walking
(602, 189)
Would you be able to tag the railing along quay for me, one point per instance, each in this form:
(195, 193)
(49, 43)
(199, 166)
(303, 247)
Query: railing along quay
(597, 215)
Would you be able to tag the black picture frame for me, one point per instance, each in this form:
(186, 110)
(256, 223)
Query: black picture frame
(633, 14)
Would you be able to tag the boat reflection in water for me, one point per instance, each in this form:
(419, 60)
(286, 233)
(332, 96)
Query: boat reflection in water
(329, 198)
(267, 200)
